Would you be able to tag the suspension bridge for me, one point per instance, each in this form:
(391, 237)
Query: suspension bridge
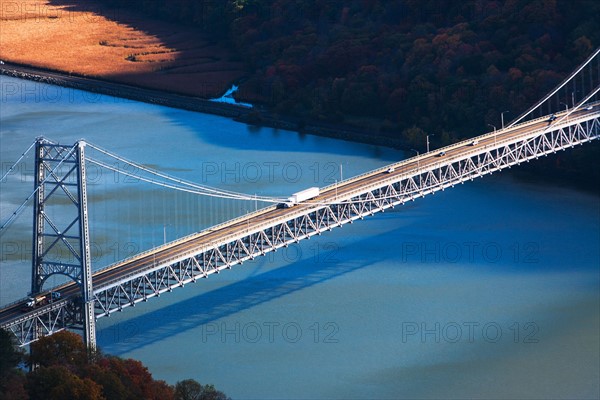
(567, 116)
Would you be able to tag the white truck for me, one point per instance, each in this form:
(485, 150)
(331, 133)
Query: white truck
(299, 197)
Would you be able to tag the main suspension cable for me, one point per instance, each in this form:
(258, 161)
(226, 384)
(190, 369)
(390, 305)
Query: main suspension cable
(18, 161)
(183, 189)
(199, 189)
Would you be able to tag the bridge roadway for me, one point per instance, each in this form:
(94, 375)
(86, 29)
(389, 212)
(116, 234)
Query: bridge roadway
(240, 227)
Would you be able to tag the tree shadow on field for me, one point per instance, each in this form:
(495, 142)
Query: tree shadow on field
(152, 53)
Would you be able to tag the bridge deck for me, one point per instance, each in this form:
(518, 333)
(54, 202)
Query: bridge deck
(230, 231)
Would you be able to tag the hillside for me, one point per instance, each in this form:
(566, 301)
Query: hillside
(402, 68)
(397, 69)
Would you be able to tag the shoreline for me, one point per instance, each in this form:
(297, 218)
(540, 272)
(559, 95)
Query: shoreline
(256, 115)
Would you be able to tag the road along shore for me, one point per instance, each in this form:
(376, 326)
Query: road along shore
(257, 115)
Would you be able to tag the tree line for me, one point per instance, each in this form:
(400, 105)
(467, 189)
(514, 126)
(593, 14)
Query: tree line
(400, 68)
(63, 368)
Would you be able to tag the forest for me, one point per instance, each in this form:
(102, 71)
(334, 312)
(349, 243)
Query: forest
(398, 68)
(63, 368)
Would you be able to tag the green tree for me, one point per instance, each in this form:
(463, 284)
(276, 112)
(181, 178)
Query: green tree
(112, 386)
(136, 380)
(13, 388)
(210, 393)
(189, 389)
(12, 380)
(10, 355)
(414, 137)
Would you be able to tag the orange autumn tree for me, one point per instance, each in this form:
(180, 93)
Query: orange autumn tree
(65, 369)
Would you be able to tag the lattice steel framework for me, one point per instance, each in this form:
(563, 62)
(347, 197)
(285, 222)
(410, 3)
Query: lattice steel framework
(61, 237)
(45, 321)
(212, 258)
(60, 178)
(254, 241)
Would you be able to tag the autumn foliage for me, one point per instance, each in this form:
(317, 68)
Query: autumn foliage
(402, 69)
(65, 369)
(387, 65)
(399, 69)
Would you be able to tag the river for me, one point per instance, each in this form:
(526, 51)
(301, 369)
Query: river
(487, 290)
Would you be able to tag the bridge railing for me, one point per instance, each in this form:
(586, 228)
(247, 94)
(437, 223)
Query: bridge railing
(399, 164)
(463, 155)
(428, 154)
(186, 238)
(470, 140)
(39, 311)
(531, 134)
(14, 303)
(29, 295)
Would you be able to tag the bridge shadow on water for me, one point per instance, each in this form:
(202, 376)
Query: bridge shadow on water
(189, 314)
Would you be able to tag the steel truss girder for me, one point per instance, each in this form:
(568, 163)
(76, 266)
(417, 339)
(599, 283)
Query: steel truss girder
(60, 315)
(213, 258)
(218, 256)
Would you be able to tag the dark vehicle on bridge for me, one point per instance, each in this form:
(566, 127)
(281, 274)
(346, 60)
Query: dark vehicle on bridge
(41, 300)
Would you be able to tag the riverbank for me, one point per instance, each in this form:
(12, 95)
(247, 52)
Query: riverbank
(257, 115)
(554, 168)
(109, 49)
(95, 40)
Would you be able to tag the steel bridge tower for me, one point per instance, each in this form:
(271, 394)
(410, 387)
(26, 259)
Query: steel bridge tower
(61, 241)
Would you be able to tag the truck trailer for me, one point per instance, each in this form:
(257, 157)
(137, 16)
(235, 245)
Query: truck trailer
(301, 196)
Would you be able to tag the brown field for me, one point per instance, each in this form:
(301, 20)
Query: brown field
(88, 39)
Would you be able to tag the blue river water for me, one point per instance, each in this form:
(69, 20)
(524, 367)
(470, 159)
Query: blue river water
(487, 290)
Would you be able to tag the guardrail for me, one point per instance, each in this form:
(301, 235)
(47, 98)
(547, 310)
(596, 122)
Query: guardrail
(445, 161)
(25, 299)
(467, 153)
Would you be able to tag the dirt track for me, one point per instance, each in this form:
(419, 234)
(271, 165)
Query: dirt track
(121, 90)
